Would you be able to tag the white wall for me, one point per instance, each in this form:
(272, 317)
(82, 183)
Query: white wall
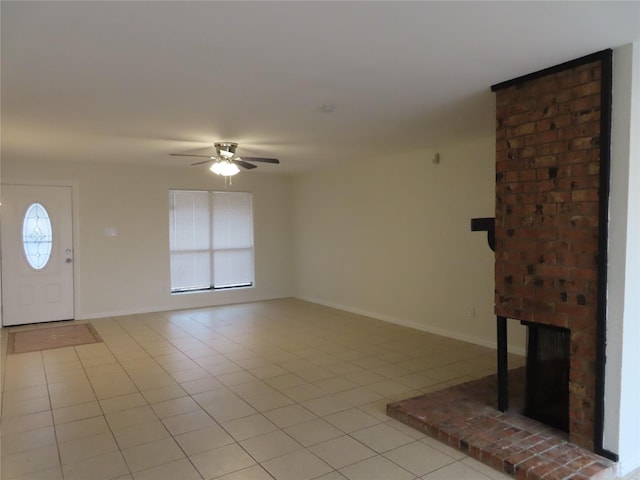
(129, 273)
(395, 245)
(390, 238)
(622, 382)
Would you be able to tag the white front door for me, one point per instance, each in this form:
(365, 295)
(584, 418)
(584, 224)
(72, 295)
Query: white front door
(36, 232)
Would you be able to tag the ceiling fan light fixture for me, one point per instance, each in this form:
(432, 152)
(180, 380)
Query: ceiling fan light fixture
(224, 168)
(225, 162)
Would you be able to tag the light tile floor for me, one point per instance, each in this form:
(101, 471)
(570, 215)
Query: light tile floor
(282, 390)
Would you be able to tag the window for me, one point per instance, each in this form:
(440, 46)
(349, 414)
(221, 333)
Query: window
(211, 240)
(37, 236)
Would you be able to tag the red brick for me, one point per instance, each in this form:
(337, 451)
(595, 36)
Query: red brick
(589, 129)
(585, 90)
(586, 195)
(588, 115)
(583, 143)
(544, 137)
(581, 104)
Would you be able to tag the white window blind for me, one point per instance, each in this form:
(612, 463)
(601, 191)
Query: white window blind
(211, 240)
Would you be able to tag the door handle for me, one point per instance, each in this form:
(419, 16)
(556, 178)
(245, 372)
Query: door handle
(68, 260)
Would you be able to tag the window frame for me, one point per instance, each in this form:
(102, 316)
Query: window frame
(212, 250)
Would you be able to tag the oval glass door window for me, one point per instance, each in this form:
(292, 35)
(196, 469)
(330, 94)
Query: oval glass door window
(37, 236)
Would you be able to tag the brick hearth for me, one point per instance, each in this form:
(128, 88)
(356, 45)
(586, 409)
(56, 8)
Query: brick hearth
(464, 417)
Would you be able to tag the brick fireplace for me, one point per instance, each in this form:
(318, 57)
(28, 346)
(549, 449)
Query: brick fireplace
(552, 169)
(549, 236)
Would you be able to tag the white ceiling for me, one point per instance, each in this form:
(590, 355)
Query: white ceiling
(132, 82)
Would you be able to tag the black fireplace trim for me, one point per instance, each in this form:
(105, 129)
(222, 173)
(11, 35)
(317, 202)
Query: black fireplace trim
(606, 57)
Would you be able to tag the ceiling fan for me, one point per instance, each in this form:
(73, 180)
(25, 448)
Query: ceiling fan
(225, 162)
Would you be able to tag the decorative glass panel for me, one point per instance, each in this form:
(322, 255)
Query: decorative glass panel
(37, 236)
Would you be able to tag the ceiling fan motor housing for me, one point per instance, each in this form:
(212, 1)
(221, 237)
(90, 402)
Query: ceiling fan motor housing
(228, 147)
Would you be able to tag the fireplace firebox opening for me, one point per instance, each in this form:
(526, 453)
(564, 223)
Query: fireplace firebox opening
(547, 375)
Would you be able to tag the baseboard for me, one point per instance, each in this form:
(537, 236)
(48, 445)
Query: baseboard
(125, 312)
(411, 324)
(166, 308)
(358, 311)
(627, 465)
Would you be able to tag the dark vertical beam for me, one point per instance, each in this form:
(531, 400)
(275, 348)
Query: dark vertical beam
(531, 368)
(606, 88)
(503, 365)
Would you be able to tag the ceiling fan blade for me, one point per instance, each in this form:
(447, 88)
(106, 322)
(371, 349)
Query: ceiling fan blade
(244, 164)
(190, 155)
(201, 163)
(260, 159)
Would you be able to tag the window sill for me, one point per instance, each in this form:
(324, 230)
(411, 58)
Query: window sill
(213, 290)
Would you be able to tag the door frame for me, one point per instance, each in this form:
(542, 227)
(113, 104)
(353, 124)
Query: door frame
(75, 219)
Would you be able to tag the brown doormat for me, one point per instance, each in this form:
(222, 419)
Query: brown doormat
(52, 337)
